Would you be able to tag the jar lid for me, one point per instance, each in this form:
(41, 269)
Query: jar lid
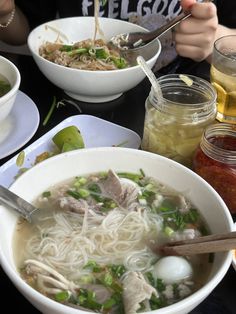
(219, 142)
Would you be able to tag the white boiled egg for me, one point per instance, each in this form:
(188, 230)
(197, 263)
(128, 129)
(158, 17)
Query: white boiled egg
(172, 269)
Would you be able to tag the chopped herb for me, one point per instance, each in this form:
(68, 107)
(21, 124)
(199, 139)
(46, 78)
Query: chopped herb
(160, 286)
(50, 112)
(166, 206)
(66, 48)
(156, 302)
(148, 194)
(108, 304)
(79, 181)
(95, 192)
(178, 219)
(108, 279)
(46, 194)
(142, 172)
(20, 159)
(87, 299)
(191, 216)
(117, 270)
(85, 279)
(93, 266)
(78, 51)
(74, 194)
(136, 177)
(83, 193)
(101, 53)
(108, 204)
(120, 63)
(150, 278)
(62, 296)
(176, 290)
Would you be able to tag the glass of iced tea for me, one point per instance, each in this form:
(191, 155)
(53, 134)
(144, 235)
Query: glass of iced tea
(223, 77)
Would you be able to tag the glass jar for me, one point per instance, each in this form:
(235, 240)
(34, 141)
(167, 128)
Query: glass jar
(174, 121)
(223, 77)
(215, 161)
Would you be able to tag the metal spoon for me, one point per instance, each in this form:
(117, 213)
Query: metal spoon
(139, 40)
(130, 41)
(15, 202)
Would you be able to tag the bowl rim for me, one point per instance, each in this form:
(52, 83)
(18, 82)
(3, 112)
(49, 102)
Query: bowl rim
(16, 85)
(234, 253)
(43, 25)
(200, 294)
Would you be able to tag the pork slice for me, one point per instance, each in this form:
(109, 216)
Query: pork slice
(135, 291)
(72, 204)
(123, 191)
(112, 186)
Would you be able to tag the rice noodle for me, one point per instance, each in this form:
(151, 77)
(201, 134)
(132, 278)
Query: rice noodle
(110, 59)
(74, 239)
(97, 25)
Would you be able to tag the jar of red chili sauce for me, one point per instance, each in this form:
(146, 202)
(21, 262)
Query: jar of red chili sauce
(215, 161)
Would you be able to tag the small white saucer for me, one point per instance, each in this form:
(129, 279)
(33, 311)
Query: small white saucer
(19, 127)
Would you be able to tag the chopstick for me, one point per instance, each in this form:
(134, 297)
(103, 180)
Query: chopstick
(207, 244)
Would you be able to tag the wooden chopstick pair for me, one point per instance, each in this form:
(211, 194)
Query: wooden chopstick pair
(206, 244)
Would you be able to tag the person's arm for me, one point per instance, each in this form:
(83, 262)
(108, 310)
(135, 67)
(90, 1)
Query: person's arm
(14, 28)
(195, 36)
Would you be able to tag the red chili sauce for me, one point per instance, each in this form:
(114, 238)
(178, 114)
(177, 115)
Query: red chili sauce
(220, 175)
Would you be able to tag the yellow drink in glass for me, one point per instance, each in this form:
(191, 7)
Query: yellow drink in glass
(223, 77)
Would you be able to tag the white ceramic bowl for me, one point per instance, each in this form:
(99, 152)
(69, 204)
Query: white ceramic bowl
(12, 74)
(234, 253)
(88, 86)
(84, 161)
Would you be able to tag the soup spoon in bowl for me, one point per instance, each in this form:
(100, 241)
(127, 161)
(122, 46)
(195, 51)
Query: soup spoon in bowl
(18, 204)
(139, 40)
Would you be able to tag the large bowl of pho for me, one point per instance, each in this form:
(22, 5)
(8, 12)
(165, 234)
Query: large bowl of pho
(72, 57)
(9, 84)
(91, 247)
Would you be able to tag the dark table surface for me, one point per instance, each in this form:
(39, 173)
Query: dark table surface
(127, 111)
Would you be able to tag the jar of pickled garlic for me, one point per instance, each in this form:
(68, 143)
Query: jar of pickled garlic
(174, 121)
(215, 161)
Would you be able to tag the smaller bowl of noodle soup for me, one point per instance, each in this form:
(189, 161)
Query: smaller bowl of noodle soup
(87, 71)
(90, 248)
(9, 85)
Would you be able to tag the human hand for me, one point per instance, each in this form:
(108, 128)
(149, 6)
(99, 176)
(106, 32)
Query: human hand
(195, 36)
